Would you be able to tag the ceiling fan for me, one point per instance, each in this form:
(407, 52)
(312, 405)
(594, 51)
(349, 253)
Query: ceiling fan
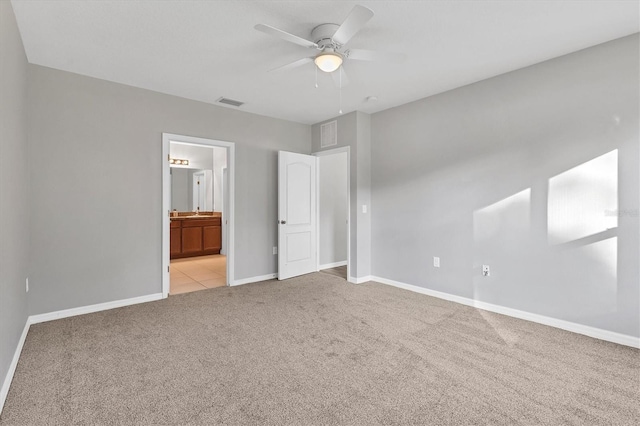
(330, 41)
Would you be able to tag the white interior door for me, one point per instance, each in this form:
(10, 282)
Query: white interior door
(297, 232)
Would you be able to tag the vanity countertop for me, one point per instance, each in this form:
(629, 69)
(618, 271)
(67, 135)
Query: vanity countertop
(198, 217)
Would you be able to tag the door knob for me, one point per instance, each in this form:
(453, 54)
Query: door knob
(283, 222)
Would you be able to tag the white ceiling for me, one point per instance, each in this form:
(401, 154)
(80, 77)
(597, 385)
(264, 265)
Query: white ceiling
(203, 50)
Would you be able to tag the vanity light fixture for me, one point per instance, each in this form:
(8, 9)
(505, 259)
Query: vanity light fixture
(178, 162)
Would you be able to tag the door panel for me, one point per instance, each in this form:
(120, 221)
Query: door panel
(298, 246)
(211, 238)
(298, 194)
(297, 214)
(191, 239)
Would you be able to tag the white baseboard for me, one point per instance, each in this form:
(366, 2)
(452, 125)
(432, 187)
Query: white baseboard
(4, 391)
(50, 316)
(586, 330)
(360, 280)
(253, 279)
(332, 265)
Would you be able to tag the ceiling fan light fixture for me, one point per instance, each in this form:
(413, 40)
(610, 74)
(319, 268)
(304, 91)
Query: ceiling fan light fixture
(328, 61)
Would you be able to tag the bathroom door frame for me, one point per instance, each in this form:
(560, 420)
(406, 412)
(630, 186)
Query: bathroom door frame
(166, 202)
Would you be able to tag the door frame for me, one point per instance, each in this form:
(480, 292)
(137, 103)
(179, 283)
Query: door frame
(334, 151)
(166, 202)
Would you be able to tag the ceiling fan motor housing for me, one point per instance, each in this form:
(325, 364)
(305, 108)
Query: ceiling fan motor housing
(322, 36)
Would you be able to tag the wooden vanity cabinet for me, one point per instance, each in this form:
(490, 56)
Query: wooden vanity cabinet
(176, 238)
(196, 236)
(191, 239)
(212, 237)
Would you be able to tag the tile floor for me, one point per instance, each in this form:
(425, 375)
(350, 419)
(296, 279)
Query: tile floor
(198, 273)
(340, 271)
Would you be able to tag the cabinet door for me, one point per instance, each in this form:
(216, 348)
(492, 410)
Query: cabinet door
(176, 243)
(212, 237)
(191, 239)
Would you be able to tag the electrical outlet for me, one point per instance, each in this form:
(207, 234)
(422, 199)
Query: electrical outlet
(485, 270)
(364, 208)
(436, 262)
(27, 284)
(275, 250)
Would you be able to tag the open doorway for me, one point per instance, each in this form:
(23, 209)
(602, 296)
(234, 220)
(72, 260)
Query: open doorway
(333, 212)
(198, 210)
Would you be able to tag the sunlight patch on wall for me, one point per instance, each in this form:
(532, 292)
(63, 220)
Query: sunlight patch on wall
(507, 218)
(499, 228)
(590, 275)
(581, 199)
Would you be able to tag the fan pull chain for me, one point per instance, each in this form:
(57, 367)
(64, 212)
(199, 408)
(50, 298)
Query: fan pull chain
(316, 77)
(340, 71)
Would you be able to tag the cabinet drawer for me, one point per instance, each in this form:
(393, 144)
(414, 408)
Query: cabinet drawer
(201, 222)
(175, 224)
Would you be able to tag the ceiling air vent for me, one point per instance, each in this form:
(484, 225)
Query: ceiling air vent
(231, 102)
(329, 134)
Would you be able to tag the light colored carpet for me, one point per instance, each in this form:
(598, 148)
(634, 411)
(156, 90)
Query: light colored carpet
(316, 350)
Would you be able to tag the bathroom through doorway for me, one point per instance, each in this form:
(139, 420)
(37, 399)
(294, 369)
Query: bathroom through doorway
(198, 203)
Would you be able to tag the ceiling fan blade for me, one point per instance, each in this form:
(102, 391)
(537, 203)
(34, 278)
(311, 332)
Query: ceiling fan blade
(338, 75)
(358, 16)
(293, 64)
(284, 35)
(372, 55)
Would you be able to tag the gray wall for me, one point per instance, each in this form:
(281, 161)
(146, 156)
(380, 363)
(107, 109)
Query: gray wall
(96, 214)
(363, 172)
(14, 207)
(354, 132)
(485, 173)
(333, 208)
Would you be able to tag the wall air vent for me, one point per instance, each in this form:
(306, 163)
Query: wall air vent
(228, 101)
(329, 134)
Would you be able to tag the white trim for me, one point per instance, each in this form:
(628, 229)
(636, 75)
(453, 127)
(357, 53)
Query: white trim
(360, 280)
(253, 279)
(166, 200)
(65, 313)
(333, 151)
(586, 330)
(4, 391)
(332, 265)
(166, 221)
(317, 212)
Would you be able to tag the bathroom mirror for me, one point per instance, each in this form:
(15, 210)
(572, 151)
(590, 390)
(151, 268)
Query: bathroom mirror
(199, 183)
(191, 189)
